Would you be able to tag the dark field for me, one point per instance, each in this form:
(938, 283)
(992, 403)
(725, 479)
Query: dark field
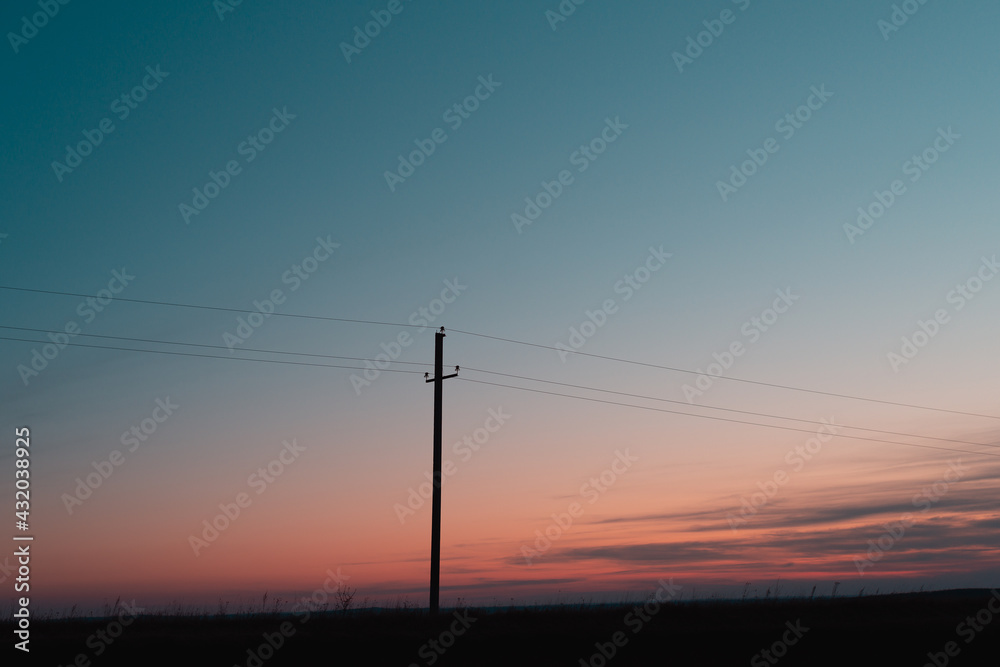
(913, 629)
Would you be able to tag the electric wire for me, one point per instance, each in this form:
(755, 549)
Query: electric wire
(508, 375)
(517, 342)
(219, 308)
(726, 419)
(217, 347)
(211, 356)
(713, 407)
(726, 377)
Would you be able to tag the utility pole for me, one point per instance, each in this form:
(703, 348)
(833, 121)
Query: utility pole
(438, 380)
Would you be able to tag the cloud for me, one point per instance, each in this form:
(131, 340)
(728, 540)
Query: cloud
(954, 528)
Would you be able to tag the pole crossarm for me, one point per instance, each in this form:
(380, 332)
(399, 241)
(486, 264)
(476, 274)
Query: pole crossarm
(428, 378)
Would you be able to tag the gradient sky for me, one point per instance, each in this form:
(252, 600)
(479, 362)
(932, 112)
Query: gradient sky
(656, 187)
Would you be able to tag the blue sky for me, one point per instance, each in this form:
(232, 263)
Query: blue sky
(323, 176)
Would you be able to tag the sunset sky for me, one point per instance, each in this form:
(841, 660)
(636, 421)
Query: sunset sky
(807, 199)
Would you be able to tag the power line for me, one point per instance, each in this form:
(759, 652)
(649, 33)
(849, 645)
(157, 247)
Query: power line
(479, 370)
(210, 356)
(725, 419)
(514, 341)
(220, 308)
(216, 347)
(713, 407)
(725, 377)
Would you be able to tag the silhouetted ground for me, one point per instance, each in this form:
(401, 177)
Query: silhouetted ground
(911, 629)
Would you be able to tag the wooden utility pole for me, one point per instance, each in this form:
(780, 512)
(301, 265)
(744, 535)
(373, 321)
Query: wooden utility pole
(438, 380)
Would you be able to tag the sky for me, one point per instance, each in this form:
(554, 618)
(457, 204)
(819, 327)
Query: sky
(791, 194)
